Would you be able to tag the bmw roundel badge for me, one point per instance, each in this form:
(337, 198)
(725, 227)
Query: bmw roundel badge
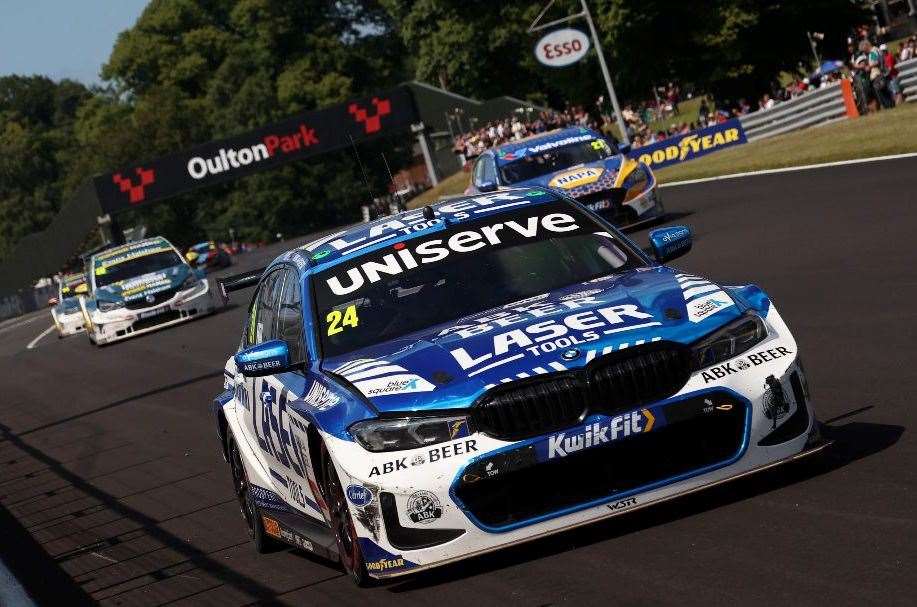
(570, 354)
(150, 298)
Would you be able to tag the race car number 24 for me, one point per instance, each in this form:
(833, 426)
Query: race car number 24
(337, 321)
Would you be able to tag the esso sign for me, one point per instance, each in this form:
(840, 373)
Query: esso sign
(562, 47)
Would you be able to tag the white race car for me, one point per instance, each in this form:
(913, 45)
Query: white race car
(489, 370)
(66, 312)
(140, 287)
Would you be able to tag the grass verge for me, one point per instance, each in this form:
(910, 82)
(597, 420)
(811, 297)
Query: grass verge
(887, 132)
(450, 186)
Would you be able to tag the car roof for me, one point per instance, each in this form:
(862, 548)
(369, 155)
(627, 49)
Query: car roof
(386, 231)
(68, 279)
(146, 243)
(514, 150)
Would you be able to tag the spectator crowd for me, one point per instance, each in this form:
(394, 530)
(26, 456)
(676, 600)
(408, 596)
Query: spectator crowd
(874, 71)
(870, 66)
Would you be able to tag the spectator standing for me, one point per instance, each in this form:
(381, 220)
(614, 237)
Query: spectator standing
(907, 49)
(703, 112)
(865, 96)
(876, 66)
(891, 75)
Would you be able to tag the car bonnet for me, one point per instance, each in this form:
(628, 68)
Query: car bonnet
(590, 176)
(449, 365)
(138, 287)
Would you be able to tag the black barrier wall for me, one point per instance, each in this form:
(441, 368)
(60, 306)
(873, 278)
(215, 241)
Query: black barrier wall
(43, 253)
(295, 138)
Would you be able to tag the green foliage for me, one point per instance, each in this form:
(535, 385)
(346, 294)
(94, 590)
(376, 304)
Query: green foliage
(732, 48)
(189, 71)
(37, 145)
(727, 47)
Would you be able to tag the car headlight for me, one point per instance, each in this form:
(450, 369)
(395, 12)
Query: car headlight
(190, 282)
(730, 341)
(395, 434)
(635, 183)
(108, 306)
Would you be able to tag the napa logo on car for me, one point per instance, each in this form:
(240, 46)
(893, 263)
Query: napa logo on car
(575, 178)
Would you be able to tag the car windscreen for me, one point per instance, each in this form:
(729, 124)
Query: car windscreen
(467, 268)
(135, 266)
(536, 164)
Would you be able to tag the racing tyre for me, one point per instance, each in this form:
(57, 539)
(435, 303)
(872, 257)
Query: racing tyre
(342, 524)
(250, 513)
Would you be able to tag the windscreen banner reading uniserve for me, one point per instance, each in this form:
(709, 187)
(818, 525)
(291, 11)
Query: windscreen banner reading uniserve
(302, 136)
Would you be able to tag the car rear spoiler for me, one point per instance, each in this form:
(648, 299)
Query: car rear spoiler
(240, 281)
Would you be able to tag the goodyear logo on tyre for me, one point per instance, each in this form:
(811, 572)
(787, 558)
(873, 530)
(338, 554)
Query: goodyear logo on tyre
(575, 178)
(691, 145)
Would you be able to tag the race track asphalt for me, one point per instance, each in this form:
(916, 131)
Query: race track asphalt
(112, 487)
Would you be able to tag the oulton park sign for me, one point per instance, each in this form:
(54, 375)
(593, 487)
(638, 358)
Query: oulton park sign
(295, 138)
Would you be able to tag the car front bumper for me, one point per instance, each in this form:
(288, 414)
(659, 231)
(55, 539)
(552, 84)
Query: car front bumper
(422, 513)
(69, 323)
(642, 209)
(122, 323)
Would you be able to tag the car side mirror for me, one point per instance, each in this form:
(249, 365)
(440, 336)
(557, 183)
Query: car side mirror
(487, 186)
(671, 242)
(262, 359)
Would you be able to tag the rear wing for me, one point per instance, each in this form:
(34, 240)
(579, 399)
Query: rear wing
(239, 282)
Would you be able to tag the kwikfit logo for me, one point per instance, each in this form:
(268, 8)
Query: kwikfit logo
(600, 433)
(137, 192)
(228, 159)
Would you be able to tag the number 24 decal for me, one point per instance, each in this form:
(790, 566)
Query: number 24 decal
(337, 321)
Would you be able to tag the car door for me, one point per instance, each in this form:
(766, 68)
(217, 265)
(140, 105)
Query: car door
(281, 432)
(259, 327)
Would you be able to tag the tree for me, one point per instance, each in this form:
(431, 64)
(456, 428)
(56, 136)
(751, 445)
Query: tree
(191, 71)
(733, 48)
(37, 144)
(730, 47)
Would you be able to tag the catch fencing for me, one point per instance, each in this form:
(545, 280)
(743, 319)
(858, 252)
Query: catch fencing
(833, 102)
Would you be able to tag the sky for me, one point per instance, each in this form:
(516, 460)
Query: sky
(62, 38)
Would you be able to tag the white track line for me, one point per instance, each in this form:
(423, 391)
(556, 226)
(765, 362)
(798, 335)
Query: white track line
(804, 167)
(35, 341)
(10, 324)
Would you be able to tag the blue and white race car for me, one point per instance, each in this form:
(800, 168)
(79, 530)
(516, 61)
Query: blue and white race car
(489, 370)
(581, 163)
(140, 287)
(66, 314)
(208, 256)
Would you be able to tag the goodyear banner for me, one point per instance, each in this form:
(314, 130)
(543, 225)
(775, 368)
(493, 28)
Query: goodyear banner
(691, 145)
(295, 138)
